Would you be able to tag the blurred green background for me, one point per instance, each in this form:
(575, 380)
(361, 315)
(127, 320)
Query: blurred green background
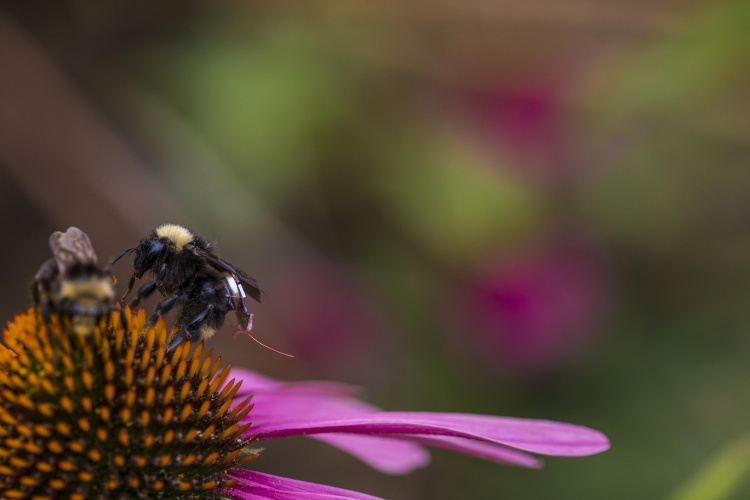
(535, 209)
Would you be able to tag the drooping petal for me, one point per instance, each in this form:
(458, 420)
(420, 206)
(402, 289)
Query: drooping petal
(536, 436)
(393, 456)
(253, 485)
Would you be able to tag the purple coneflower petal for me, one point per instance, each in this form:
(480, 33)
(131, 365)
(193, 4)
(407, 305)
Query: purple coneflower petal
(259, 486)
(536, 436)
(276, 401)
(389, 441)
(393, 456)
(286, 405)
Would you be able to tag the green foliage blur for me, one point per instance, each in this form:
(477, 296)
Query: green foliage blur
(536, 210)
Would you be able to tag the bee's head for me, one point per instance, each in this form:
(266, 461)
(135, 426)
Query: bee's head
(150, 253)
(164, 241)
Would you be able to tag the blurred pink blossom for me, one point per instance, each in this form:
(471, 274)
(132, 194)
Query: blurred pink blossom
(533, 312)
(525, 127)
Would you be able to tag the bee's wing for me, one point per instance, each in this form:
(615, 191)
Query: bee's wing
(253, 289)
(71, 247)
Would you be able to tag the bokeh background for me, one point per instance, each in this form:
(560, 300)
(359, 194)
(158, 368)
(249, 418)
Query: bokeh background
(535, 209)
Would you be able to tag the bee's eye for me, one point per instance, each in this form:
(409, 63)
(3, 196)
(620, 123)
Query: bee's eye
(148, 254)
(155, 247)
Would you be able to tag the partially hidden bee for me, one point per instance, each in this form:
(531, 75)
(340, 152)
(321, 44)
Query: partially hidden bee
(72, 285)
(192, 278)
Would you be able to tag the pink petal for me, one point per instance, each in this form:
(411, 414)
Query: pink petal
(275, 401)
(316, 409)
(257, 485)
(537, 436)
(286, 405)
(387, 455)
(391, 456)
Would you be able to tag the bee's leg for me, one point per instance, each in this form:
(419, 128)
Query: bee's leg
(41, 289)
(163, 307)
(131, 284)
(245, 317)
(237, 302)
(176, 339)
(162, 273)
(143, 293)
(192, 328)
(148, 288)
(203, 324)
(188, 330)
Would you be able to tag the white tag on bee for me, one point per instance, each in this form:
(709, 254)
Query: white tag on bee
(235, 288)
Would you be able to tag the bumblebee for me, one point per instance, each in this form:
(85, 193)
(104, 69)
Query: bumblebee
(72, 285)
(192, 278)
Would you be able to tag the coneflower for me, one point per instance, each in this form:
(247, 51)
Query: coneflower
(114, 414)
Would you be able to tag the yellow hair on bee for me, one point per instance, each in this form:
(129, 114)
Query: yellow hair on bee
(206, 332)
(97, 289)
(179, 235)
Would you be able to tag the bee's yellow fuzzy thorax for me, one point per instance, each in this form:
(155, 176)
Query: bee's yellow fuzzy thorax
(179, 235)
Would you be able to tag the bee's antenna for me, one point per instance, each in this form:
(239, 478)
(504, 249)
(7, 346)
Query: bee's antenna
(238, 330)
(122, 255)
